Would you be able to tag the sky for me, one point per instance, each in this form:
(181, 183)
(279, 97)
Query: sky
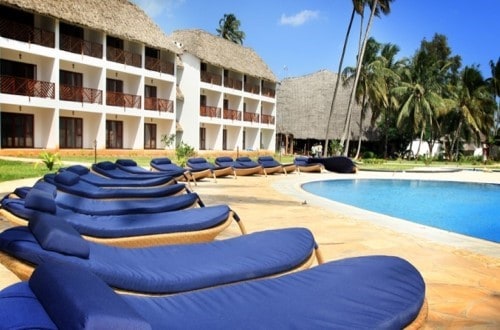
(299, 37)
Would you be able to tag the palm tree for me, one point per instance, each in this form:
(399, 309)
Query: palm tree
(229, 28)
(376, 6)
(357, 7)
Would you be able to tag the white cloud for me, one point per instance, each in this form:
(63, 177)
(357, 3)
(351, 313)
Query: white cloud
(155, 8)
(300, 18)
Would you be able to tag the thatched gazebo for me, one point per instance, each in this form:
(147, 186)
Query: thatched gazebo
(303, 105)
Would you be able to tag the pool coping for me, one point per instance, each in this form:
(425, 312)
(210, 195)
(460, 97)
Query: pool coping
(292, 186)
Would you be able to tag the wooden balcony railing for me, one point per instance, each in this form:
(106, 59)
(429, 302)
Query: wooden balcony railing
(123, 100)
(268, 92)
(155, 64)
(250, 116)
(208, 111)
(211, 78)
(27, 87)
(255, 89)
(80, 94)
(267, 119)
(23, 32)
(232, 114)
(233, 83)
(80, 46)
(161, 105)
(123, 56)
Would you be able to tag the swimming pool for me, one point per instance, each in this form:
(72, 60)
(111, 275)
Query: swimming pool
(471, 209)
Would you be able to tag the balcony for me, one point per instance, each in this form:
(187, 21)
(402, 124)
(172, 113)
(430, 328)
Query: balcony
(251, 117)
(80, 46)
(254, 89)
(155, 64)
(23, 32)
(161, 105)
(233, 83)
(123, 100)
(27, 87)
(270, 92)
(232, 114)
(123, 56)
(267, 119)
(80, 94)
(208, 111)
(211, 78)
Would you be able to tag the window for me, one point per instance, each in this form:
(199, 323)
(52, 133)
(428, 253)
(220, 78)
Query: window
(149, 91)
(226, 104)
(71, 84)
(224, 139)
(151, 52)
(70, 132)
(17, 130)
(114, 42)
(114, 92)
(114, 85)
(244, 140)
(203, 138)
(71, 30)
(69, 78)
(114, 134)
(149, 136)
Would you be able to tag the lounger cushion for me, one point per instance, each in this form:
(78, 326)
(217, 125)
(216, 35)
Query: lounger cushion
(88, 302)
(67, 178)
(126, 162)
(40, 200)
(55, 234)
(78, 169)
(197, 160)
(106, 165)
(224, 159)
(45, 186)
(161, 161)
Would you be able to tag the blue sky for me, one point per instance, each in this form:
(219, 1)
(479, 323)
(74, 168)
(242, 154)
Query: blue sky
(296, 38)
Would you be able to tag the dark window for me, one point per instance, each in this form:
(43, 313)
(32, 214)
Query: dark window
(203, 100)
(203, 67)
(203, 138)
(244, 140)
(151, 52)
(226, 104)
(17, 130)
(69, 78)
(11, 14)
(149, 136)
(149, 91)
(113, 85)
(71, 132)
(71, 30)
(114, 134)
(224, 139)
(17, 69)
(114, 42)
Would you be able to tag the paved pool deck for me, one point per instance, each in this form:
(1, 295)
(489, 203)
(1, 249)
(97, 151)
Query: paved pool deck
(462, 274)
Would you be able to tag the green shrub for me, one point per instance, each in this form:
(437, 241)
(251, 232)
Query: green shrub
(183, 151)
(49, 159)
(368, 155)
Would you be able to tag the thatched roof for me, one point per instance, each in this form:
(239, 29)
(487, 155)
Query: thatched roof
(119, 18)
(223, 53)
(303, 106)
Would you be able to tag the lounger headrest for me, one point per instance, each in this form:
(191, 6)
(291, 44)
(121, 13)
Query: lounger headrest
(265, 158)
(67, 178)
(55, 234)
(75, 298)
(161, 161)
(198, 160)
(47, 187)
(78, 169)
(224, 159)
(106, 165)
(243, 159)
(126, 162)
(40, 200)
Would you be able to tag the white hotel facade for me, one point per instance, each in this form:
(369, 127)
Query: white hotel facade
(99, 74)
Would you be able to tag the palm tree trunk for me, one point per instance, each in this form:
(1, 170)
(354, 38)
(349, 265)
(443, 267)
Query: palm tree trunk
(358, 69)
(325, 150)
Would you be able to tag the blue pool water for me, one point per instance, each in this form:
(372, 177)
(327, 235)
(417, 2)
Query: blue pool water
(471, 209)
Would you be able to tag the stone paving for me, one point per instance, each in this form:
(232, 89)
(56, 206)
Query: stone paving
(462, 274)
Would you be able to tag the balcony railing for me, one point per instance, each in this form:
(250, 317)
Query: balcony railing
(123, 100)
(233, 83)
(250, 116)
(208, 111)
(123, 56)
(27, 87)
(155, 64)
(80, 46)
(232, 114)
(268, 92)
(267, 119)
(161, 105)
(211, 78)
(80, 94)
(23, 32)
(255, 89)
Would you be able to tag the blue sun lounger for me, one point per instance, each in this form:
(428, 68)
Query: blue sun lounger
(200, 164)
(374, 292)
(164, 269)
(107, 182)
(111, 170)
(130, 165)
(304, 164)
(70, 183)
(168, 227)
(241, 168)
